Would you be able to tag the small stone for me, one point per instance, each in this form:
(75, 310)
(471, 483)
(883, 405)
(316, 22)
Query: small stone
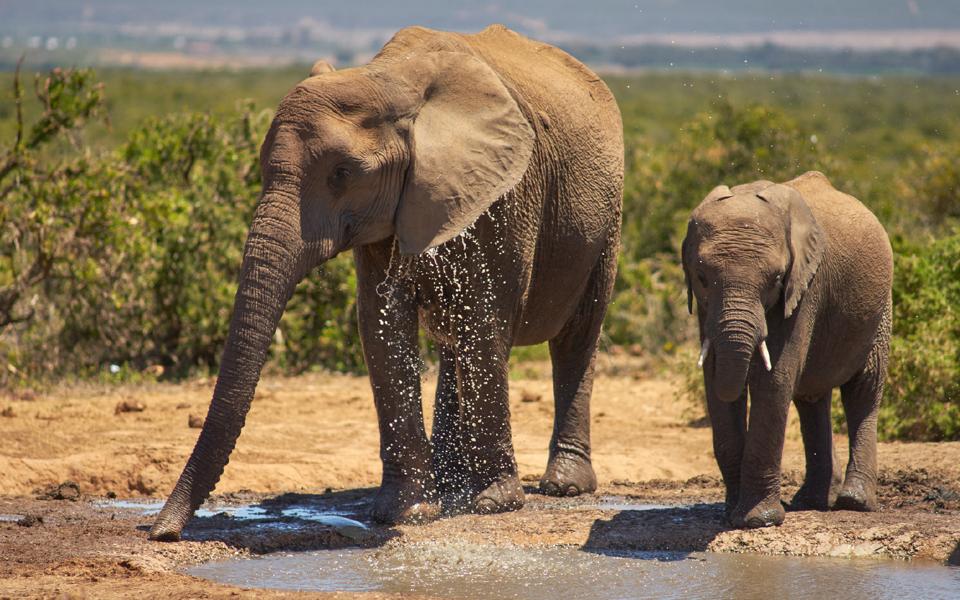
(68, 490)
(30, 521)
(195, 421)
(155, 370)
(183, 405)
(125, 406)
(7, 412)
(527, 396)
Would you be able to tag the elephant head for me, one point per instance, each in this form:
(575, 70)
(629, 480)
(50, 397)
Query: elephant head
(747, 251)
(415, 145)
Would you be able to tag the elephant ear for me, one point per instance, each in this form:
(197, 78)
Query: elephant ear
(684, 253)
(469, 145)
(807, 242)
(721, 192)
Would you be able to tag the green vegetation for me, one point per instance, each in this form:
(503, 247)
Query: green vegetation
(123, 211)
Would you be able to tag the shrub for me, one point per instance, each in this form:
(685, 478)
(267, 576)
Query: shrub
(922, 396)
(131, 257)
(726, 145)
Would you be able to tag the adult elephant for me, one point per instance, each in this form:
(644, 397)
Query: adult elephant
(508, 145)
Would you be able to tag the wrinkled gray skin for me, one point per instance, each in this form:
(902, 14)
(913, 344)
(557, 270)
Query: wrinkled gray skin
(509, 142)
(807, 270)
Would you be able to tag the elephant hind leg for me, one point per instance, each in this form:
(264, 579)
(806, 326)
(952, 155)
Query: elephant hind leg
(861, 403)
(573, 354)
(822, 481)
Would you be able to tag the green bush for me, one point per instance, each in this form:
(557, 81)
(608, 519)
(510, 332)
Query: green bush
(130, 257)
(922, 396)
(727, 145)
(933, 180)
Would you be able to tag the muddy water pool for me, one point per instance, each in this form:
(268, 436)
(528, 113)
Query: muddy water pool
(461, 571)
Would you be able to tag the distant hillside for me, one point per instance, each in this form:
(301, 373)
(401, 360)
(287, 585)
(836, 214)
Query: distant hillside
(848, 36)
(598, 19)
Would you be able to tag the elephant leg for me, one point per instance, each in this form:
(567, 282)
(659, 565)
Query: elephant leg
(729, 423)
(482, 367)
(822, 480)
(450, 465)
(861, 403)
(388, 332)
(759, 503)
(573, 353)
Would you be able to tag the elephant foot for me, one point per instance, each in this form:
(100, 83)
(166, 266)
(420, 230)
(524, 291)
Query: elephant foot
(568, 474)
(812, 496)
(503, 495)
(454, 486)
(859, 493)
(766, 513)
(730, 504)
(400, 502)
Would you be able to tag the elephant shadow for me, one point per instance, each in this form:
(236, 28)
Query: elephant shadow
(663, 534)
(289, 522)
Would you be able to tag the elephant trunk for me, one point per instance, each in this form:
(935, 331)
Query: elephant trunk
(737, 336)
(273, 263)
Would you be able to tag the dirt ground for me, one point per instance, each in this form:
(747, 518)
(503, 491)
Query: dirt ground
(315, 436)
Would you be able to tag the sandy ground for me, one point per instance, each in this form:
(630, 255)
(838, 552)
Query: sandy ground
(316, 435)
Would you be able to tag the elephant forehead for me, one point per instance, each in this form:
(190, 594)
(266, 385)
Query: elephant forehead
(741, 239)
(319, 137)
(747, 215)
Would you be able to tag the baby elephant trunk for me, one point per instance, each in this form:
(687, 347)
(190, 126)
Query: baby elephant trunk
(738, 335)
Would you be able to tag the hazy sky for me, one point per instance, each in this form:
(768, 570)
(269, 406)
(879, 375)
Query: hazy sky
(587, 18)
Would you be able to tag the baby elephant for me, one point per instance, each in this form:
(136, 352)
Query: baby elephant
(793, 284)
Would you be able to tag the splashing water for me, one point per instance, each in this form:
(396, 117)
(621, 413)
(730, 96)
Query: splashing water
(457, 286)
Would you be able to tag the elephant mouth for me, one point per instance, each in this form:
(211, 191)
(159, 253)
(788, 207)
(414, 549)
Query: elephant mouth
(761, 347)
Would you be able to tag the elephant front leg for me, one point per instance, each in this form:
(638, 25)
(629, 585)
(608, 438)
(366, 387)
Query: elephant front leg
(822, 480)
(729, 423)
(450, 465)
(759, 503)
(388, 331)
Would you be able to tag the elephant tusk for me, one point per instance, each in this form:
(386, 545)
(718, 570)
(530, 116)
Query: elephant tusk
(703, 351)
(765, 354)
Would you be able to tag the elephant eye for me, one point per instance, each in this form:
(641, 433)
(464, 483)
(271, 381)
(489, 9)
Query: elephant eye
(338, 179)
(341, 173)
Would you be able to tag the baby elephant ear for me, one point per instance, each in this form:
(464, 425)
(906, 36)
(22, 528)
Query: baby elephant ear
(469, 145)
(684, 255)
(721, 192)
(807, 242)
